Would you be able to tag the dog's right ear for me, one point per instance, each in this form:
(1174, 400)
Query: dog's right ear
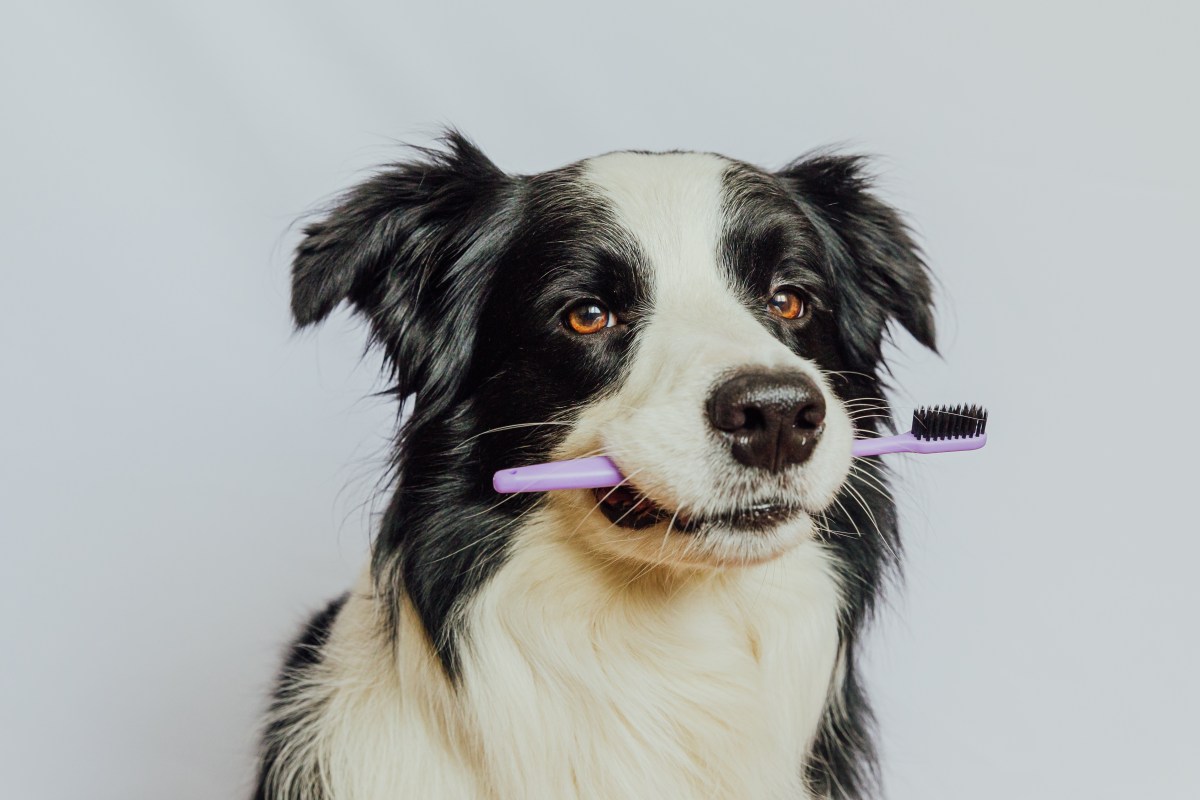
(398, 225)
(409, 249)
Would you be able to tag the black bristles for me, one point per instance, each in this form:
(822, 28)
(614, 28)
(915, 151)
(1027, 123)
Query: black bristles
(957, 422)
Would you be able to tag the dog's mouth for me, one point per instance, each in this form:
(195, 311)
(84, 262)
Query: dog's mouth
(627, 507)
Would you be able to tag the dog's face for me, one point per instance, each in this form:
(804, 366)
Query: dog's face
(714, 328)
(687, 335)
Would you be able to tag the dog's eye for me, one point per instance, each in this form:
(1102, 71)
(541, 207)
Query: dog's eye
(589, 317)
(787, 302)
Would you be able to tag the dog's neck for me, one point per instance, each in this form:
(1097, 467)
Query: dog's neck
(578, 672)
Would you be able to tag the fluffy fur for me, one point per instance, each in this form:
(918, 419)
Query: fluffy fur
(531, 645)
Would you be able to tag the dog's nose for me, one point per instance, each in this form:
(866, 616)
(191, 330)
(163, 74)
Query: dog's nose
(771, 419)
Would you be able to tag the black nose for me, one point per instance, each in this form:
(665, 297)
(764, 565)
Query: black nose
(771, 419)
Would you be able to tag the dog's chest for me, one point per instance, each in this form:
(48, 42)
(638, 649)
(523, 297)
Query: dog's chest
(579, 688)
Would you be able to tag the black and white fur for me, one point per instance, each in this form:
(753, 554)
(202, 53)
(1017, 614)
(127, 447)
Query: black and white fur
(525, 646)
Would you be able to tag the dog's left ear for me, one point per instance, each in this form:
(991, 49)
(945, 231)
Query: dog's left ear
(875, 265)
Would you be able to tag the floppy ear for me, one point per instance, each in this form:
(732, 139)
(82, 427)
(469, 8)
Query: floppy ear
(410, 249)
(876, 266)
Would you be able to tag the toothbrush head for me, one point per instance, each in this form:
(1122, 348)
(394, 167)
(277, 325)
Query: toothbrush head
(949, 422)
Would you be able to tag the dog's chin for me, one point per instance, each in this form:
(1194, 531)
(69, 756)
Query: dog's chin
(742, 535)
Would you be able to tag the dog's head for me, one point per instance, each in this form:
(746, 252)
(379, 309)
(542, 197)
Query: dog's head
(714, 328)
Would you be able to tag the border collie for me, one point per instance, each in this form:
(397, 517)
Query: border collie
(716, 329)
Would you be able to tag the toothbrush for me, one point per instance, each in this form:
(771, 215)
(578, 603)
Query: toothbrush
(934, 430)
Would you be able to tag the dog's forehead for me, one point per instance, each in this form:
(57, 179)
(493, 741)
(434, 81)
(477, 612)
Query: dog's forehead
(659, 186)
(672, 205)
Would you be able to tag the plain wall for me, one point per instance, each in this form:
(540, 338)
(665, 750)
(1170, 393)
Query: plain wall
(183, 479)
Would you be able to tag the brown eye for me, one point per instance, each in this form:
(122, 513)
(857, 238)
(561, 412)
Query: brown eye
(589, 317)
(787, 303)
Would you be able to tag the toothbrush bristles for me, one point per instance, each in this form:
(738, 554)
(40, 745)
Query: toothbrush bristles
(949, 422)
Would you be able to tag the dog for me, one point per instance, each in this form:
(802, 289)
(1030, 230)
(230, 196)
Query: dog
(717, 330)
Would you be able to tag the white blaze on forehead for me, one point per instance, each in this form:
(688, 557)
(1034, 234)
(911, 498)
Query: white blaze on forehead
(670, 202)
(673, 206)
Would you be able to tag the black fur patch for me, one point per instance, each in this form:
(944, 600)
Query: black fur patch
(464, 273)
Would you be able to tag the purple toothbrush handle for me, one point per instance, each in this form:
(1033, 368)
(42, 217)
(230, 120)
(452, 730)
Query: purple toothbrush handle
(907, 443)
(581, 473)
(599, 471)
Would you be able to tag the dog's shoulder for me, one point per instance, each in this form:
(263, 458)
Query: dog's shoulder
(304, 654)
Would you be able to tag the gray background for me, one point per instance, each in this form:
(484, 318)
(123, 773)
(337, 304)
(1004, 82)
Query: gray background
(182, 479)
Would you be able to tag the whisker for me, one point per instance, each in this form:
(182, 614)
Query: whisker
(871, 516)
(489, 537)
(502, 428)
(598, 503)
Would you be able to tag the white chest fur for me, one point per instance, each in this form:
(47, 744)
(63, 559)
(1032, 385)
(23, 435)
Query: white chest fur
(584, 682)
